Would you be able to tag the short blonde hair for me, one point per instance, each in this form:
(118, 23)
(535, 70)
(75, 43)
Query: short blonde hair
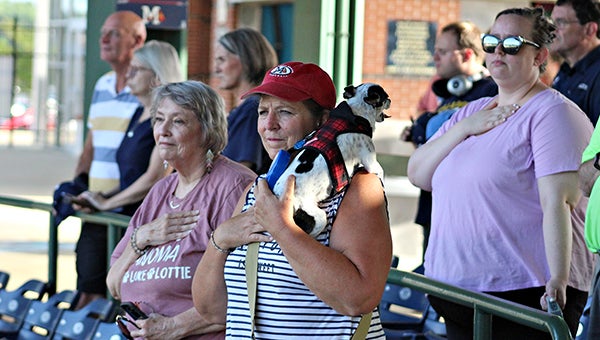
(204, 102)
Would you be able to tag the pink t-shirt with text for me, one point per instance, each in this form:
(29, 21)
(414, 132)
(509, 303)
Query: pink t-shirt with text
(160, 281)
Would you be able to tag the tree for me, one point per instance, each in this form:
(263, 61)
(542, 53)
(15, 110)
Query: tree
(20, 38)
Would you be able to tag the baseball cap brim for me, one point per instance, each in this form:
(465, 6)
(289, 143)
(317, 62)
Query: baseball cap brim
(279, 90)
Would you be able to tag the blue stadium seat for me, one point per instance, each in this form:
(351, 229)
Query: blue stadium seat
(82, 324)
(43, 317)
(109, 331)
(14, 306)
(4, 276)
(406, 314)
(401, 304)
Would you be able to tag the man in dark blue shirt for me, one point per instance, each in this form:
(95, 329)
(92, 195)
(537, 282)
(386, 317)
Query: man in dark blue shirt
(578, 43)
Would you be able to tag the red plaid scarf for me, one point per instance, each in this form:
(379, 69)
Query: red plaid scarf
(341, 120)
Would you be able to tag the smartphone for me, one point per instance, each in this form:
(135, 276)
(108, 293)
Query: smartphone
(133, 310)
(553, 307)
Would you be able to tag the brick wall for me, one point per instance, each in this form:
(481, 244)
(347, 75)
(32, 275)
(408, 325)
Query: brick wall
(199, 39)
(203, 31)
(404, 91)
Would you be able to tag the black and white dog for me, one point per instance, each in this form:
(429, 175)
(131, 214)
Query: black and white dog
(326, 161)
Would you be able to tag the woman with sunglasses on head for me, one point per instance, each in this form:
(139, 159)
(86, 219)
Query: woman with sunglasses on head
(510, 220)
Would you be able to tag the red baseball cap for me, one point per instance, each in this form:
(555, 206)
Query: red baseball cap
(295, 81)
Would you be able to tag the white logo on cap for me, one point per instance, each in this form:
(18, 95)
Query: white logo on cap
(281, 71)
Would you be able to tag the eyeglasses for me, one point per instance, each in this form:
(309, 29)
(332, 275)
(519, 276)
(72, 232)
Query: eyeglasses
(120, 321)
(561, 23)
(133, 70)
(510, 45)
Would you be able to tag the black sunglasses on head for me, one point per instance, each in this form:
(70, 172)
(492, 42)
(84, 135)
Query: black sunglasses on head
(510, 45)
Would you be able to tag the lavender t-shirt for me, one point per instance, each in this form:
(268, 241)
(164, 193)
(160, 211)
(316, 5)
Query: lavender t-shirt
(486, 232)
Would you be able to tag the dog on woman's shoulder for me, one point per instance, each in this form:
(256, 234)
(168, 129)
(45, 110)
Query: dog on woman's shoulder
(326, 162)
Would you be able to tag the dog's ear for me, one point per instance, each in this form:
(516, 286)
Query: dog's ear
(349, 91)
(377, 96)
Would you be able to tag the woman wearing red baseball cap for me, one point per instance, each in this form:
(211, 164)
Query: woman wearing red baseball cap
(306, 287)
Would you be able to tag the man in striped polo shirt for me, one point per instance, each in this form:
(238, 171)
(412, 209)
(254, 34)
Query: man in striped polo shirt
(111, 109)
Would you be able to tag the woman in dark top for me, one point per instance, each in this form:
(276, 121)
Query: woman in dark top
(133, 155)
(242, 57)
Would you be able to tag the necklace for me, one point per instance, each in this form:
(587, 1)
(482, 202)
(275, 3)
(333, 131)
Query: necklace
(172, 198)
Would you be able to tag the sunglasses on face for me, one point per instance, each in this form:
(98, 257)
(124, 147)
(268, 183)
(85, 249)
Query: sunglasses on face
(510, 45)
(120, 321)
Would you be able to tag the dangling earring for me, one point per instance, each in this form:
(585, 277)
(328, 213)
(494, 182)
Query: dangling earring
(209, 160)
(165, 165)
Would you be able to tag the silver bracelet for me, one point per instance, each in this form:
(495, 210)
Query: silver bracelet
(134, 244)
(221, 250)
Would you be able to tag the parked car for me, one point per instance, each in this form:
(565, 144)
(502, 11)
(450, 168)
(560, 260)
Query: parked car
(22, 117)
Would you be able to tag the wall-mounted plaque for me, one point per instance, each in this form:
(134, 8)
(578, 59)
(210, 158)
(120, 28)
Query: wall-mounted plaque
(410, 46)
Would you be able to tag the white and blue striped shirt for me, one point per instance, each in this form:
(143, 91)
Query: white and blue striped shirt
(109, 116)
(285, 307)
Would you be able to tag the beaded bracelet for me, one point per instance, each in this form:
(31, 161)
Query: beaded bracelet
(134, 244)
(221, 250)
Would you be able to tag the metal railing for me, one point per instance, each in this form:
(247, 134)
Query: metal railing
(115, 223)
(484, 306)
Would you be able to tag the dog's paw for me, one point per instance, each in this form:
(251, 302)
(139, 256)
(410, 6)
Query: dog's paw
(375, 168)
(311, 219)
(304, 221)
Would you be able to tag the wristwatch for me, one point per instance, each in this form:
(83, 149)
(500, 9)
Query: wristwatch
(596, 165)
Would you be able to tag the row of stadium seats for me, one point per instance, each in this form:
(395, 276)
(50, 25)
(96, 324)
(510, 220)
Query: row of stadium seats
(29, 313)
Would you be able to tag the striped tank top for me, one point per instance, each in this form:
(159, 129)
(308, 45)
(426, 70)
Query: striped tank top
(285, 307)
